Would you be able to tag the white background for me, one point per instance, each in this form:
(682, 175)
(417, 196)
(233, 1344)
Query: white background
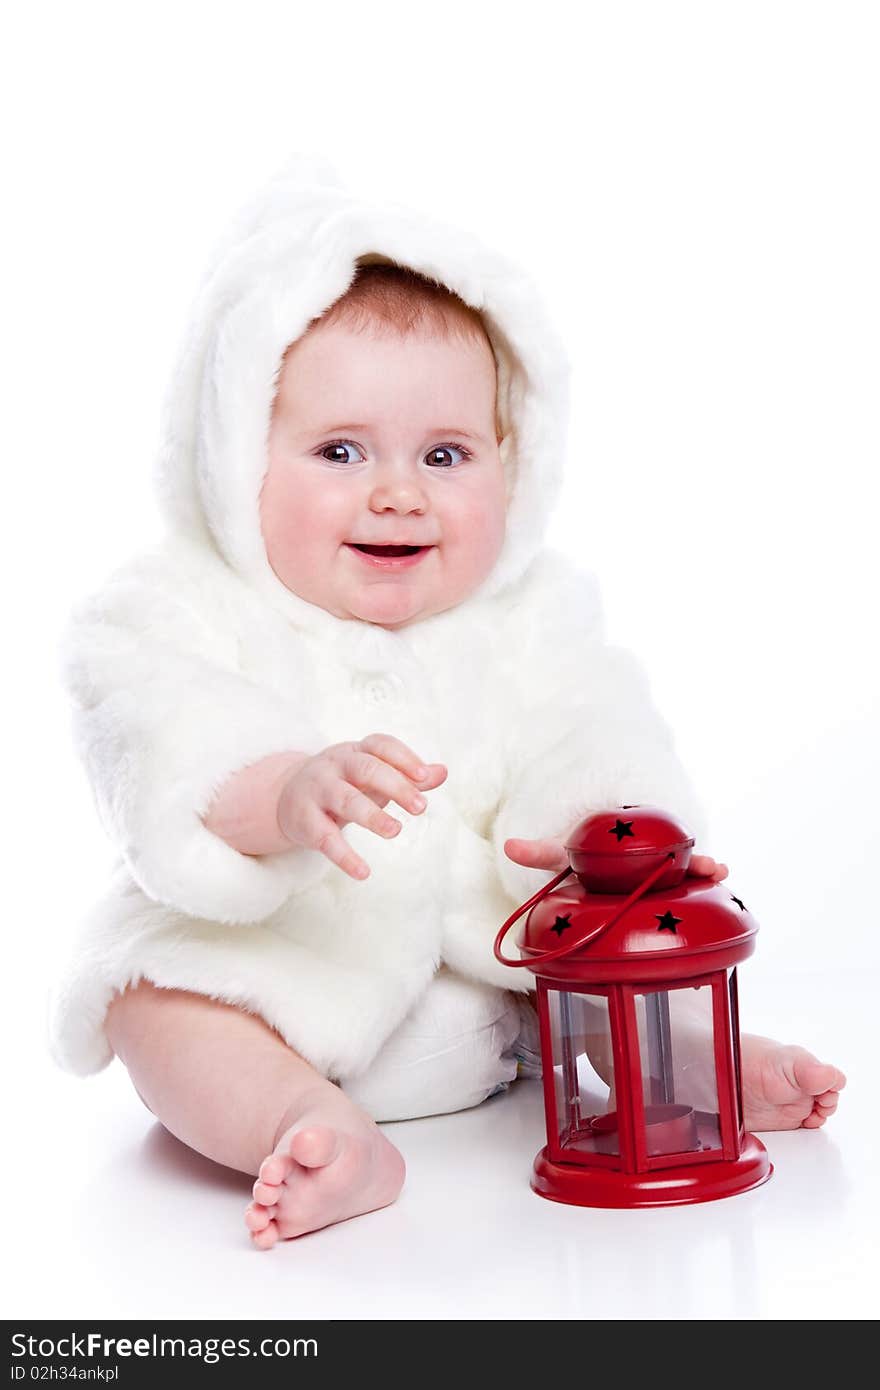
(694, 187)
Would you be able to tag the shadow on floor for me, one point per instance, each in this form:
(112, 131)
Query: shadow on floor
(168, 1157)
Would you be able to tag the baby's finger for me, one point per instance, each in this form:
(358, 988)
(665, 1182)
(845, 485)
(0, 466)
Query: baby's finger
(331, 843)
(378, 798)
(704, 866)
(350, 804)
(370, 773)
(537, 854)
(394, 751)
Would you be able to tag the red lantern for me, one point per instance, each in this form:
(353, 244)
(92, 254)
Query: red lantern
(636, 972)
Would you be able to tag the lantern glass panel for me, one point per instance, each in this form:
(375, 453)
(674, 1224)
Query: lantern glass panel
(583, 1071)
(680, 1090)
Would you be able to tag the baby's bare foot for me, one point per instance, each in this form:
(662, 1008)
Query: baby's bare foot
(331, 1163)
(786, 1087)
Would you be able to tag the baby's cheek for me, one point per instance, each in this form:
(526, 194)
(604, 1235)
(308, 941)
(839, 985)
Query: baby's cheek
(270, 513)
(484, 527)
(292, 509)
(272, 498)
(276, 524)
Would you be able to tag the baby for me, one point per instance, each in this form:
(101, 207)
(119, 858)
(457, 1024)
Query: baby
(362, 448)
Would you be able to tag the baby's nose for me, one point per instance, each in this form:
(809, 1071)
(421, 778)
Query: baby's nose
(398, 492)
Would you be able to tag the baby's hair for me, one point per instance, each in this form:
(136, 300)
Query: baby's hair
(384, 294)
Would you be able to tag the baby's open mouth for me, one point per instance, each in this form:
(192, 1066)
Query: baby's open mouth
(391, 551)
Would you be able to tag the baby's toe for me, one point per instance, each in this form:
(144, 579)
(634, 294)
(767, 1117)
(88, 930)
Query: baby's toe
(275, 1168)
(813, 1121)
(257, 1218)
(812, 1076)
(826, 1104)
(264, 1240)
(266, 1193)
(316, 1146)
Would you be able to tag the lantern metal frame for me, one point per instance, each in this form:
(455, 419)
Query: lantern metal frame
(635, 1177)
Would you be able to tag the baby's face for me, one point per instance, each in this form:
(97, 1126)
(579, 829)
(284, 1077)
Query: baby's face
(383, 440)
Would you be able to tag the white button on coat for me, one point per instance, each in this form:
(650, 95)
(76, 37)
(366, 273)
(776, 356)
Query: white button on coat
(378, 688)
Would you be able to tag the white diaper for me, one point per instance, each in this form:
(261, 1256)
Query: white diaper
(461, 1043)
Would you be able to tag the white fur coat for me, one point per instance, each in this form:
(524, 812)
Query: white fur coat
(193, 661)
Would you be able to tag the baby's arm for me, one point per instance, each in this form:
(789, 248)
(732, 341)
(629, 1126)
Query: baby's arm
(580, 733)
(590, 736)
(244, 812)
(164, 716)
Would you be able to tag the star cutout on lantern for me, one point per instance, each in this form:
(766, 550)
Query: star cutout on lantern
(622, 829)
(739, 902)
(668, 922)
(560, 924)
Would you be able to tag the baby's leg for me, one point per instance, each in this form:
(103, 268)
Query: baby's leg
(227, 1084)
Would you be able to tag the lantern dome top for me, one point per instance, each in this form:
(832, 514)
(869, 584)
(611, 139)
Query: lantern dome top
(680, 926)
(613, 851)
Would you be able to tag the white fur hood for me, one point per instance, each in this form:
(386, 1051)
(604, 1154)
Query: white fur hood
(288, 255)
(193, 661)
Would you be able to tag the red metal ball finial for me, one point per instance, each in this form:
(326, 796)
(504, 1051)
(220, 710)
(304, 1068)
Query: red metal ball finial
(613, 851)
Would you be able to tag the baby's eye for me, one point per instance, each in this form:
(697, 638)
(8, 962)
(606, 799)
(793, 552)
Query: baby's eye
(338, 447)
(434, 458)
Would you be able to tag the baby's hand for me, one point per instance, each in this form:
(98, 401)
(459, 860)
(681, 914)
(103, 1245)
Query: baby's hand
(550, 854)
(702, 866)
(538, 854)
(351, 783)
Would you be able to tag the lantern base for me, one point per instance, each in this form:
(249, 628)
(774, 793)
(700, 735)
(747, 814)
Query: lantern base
(666, 1187)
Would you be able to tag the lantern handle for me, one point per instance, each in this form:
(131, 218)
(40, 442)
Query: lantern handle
(566, 948)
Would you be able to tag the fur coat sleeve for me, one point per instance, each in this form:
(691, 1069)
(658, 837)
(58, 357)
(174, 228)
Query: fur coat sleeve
(586, 734)
(162, 717)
